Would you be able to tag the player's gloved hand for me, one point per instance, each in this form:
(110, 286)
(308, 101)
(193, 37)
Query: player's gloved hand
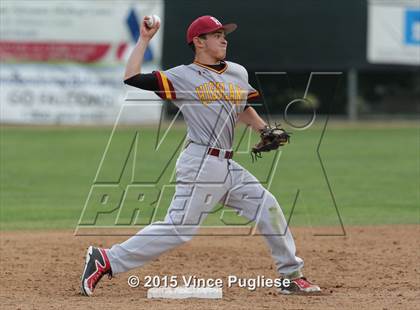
(271, 139)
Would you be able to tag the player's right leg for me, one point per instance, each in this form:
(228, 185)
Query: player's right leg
(200, 185)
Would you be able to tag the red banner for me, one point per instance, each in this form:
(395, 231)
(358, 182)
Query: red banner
(50, 51)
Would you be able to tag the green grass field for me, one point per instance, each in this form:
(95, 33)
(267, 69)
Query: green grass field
(373, 171)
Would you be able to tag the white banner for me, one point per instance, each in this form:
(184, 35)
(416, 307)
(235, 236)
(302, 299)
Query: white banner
(394, 32)
(85, 31)
(33, 94)
(63, 61)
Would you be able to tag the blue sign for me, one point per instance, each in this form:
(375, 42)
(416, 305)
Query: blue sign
(412, 27)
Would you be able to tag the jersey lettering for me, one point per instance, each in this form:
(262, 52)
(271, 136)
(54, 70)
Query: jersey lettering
(210, 92)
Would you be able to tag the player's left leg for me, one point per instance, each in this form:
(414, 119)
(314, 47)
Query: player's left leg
(256, 203)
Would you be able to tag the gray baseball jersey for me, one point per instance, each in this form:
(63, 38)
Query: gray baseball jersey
(209, 100)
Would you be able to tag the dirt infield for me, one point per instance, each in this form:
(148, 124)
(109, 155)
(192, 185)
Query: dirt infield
(370, 268)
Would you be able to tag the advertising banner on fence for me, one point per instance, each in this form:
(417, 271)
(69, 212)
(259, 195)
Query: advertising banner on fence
(62, 62)
(394, 32)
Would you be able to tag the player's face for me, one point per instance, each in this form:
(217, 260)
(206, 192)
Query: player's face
(216, 44)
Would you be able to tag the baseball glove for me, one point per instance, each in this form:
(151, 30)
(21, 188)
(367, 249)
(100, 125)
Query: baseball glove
(271, 139)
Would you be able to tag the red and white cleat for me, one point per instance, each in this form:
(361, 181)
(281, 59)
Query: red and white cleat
(96, 266)
(300, 286)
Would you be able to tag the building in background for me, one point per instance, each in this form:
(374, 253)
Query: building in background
(62, 62)
(373, 43)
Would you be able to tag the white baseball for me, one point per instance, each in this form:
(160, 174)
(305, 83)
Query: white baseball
(152, 20)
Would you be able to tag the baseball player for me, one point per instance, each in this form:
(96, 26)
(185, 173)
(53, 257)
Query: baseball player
(212, 94)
